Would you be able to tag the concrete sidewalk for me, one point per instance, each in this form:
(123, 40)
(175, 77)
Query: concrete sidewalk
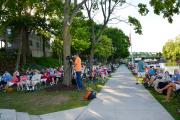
(122, 99)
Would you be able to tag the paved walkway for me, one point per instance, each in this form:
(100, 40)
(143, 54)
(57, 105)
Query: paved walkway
(122, 99)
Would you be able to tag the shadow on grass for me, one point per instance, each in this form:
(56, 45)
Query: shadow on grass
(51, 99)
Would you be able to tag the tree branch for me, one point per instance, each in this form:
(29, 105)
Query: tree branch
(75, 11)
(103, 9)
(88, 8)
(119, 20)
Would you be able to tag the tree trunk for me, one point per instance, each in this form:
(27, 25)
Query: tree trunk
(67, 44)
(59, 56)
(62, 60)
(24, 46)
(91, 56)
(44, 46)
(28, 52)
(93, 40)
(20, 49)
(67, 52)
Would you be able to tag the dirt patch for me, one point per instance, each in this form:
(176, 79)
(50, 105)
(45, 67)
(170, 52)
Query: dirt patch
(48, 100)
(61, 87)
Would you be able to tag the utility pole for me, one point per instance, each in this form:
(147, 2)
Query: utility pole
(132, 58)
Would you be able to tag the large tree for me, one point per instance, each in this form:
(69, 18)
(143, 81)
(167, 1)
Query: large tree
(171, 50)
(120, 42)
(104, 49)
(70, 11)
(17, 15)
(107, 8)
(24, 16)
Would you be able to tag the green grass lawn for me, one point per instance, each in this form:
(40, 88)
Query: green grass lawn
(171, 107)
(41, 102)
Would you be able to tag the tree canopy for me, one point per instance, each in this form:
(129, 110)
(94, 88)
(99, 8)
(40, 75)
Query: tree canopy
(166, 7)
(64, 21)
(171, 50)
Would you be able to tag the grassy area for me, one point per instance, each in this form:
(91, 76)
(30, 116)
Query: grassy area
(171, 107)
(41, 102)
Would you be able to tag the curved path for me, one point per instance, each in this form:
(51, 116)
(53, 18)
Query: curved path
(122, 99)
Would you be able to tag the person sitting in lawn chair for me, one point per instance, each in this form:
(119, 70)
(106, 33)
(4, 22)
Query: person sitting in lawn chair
(172, 86)
(157, 76)
(58, 75)
(162, 82)
(21, 85)
(6, 80)
(47, 76)
(147, 76)
(52, 76)
(2, 83)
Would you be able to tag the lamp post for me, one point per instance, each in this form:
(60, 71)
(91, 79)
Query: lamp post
(130, 41)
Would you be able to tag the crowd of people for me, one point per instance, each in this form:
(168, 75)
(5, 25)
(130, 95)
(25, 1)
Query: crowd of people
(156, 77)
(31, 80)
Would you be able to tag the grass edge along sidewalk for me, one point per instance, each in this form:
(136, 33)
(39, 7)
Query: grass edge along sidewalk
(171, 106)
(42, 102)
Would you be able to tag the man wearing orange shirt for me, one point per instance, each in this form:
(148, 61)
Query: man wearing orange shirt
(77, 68)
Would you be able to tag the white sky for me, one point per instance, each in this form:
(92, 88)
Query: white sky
(156, 29)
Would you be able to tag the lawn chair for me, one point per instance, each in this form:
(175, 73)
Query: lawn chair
(177, 93)
(35, 80)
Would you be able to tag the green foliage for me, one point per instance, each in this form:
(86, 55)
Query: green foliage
(80, 45)
(171, 50)
(143, 9)
(166, 7)
(120, 42)
(7, 61)
(80, 35)
(47, 62)
(104, 48)
(136, 23)
(57, 47)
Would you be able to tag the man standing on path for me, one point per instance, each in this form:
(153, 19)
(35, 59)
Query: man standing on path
(77, 68)
(141, 68)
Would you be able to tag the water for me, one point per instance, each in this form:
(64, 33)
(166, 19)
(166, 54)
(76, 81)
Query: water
(169, 68)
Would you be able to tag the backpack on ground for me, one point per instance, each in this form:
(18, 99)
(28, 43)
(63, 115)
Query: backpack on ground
(89, 95)
(92, 95)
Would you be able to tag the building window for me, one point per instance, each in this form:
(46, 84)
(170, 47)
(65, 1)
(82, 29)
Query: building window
(37, 44)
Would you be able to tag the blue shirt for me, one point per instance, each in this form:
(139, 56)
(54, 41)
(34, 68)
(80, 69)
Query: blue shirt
(141, 66)
(7, 77)
(152, 72)
(176, 77)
